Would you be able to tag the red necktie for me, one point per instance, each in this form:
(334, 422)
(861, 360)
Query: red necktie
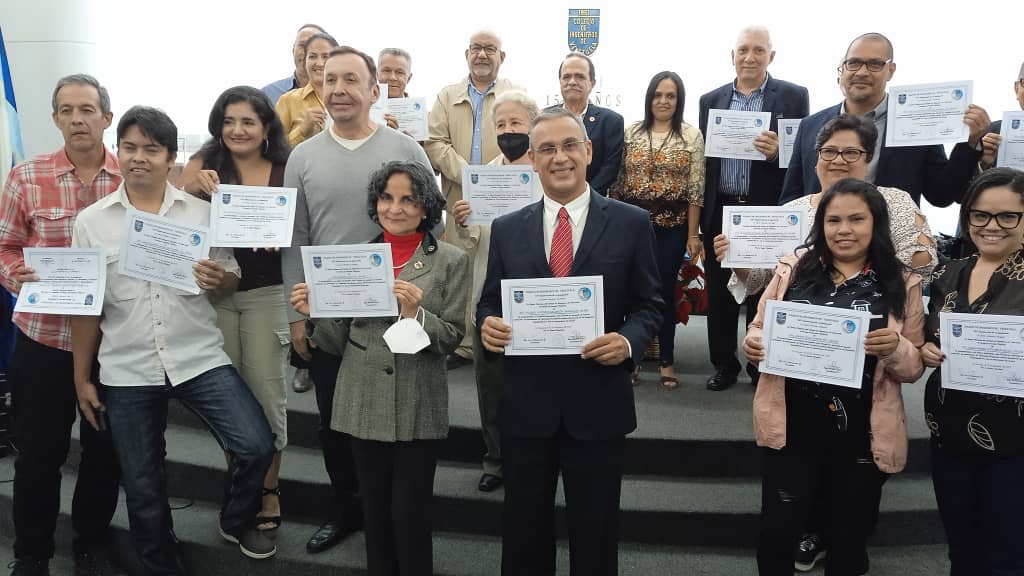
(561, 246)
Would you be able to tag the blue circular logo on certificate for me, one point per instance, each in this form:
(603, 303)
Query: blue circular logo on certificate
(195, 239)
(524, 178)
(33, 298)
(282, 200)
(793, 219)
(585, 293)
(849, 326)
(376, 260)
(758, 122)
(958, 94)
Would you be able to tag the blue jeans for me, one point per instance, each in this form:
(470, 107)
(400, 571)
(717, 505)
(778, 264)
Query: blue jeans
(138, 419)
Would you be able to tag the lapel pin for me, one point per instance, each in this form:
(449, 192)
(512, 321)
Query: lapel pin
(592, 119)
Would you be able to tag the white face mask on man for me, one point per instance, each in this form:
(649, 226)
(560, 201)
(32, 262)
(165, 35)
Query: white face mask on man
(406, 336)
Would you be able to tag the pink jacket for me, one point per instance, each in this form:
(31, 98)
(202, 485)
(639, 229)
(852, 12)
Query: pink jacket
(888, 420)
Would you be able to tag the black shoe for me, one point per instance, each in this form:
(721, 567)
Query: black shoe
(29, 567)
(252, 542)
(329, 534)
(95, 563)
(454, 361)
(721, 380)
(302, 382)
(489, 483)
(754, 374)
(809, 551)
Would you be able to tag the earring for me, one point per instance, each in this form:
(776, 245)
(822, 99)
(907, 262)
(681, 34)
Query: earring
(266, 145)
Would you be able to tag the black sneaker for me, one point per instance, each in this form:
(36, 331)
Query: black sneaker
(809, 551)
(252, 542)
(29, 567)
(95, 563)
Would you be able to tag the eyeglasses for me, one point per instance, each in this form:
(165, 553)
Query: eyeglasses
(1005, 220)
(850, 155)
(567, 147)
(489, 50)
(854, 64)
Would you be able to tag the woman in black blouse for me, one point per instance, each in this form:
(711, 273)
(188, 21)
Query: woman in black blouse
(978, 439)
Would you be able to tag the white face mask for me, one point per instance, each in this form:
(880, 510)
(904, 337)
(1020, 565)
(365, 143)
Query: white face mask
(406, 337)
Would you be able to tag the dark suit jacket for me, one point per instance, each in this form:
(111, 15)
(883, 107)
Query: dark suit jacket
(919, 170)
(541, 392)
(606, 130)
(784, 100)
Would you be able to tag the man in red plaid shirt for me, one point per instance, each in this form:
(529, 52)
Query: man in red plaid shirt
(38, 208)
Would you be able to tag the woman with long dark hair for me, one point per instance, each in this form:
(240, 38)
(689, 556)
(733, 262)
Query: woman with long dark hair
(663, 173)
(248, 147)
(844, 439)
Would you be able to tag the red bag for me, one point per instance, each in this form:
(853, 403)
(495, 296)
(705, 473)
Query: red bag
(691, 296)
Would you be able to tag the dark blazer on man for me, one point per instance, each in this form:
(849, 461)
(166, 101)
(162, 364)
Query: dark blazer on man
(606, 129)
(539, 393)
(919, 170)
(784, 100)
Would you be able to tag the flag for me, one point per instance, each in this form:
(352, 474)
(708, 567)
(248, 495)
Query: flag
(11, 149)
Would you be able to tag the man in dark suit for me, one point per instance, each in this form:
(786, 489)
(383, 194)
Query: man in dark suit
(729, 182)
(920, 170)
(569, 413)
(991, 140)
(605, 127)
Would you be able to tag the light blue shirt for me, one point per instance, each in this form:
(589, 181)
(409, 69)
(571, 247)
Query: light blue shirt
(275, 90)
(476, 98)
(735, 174)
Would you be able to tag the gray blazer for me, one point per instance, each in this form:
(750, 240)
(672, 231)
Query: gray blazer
(400, 397)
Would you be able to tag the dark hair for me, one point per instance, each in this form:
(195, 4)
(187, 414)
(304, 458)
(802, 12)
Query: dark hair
(554, 114)
(994, 178)
(319, 36)
(83, 80)
(370, 64)
(875, 36)
(677, 116)
(424, 191)
(153, 123)
(217, 157)
(817, 264)
(590, 64)
(866, 131)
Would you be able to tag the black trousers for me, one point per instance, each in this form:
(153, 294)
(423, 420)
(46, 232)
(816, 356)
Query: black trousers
(44, 407)
(723, 310)
(592, 477)
(397, 480)
(817, 452)
(337, 448)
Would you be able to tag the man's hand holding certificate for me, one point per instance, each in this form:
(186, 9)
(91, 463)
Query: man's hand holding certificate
(984, 353)
(350, 281)
(552, 316)
(731, 133)
(760, 235)
(71, 281)
(252, 216)
(162, 250)
(496, 190)
(928, 113)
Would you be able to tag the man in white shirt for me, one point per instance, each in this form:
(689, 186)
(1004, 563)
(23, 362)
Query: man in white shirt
(160, 343)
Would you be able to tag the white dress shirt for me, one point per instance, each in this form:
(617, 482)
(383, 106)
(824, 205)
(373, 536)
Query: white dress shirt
(577, 209)
(151, 332)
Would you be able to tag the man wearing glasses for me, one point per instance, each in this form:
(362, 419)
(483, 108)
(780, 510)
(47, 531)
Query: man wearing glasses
(461, 125)
(991, 140)
(920, 170)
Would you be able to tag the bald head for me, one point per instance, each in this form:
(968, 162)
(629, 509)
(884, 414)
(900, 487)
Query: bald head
(751, 57)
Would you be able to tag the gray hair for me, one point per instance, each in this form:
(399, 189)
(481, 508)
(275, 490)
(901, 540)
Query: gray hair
(83, 80)
(517, 97)
(555, 114)
(395, 52)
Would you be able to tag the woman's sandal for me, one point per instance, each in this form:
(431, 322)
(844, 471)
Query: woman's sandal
(668, 382)
(635, 376)
(274, 522)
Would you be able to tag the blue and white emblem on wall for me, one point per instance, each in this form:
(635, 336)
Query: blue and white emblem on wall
(584, 29)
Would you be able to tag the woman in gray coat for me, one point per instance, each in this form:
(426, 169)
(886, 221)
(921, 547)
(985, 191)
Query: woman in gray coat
(395, 405)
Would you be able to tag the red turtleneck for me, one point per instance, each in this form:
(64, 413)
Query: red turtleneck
(402, 248)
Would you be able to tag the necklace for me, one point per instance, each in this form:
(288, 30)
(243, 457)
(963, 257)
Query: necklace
(402, 265)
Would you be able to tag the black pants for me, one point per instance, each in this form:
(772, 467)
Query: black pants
(398, 494)
(592, 477)
(669, 249)
(816, 452)
(981, 503)
(44, 407)
(323, 370)
(723, 310)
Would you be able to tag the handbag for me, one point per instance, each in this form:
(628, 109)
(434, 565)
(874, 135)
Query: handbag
(691, 296)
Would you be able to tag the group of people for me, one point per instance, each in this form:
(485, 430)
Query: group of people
(626, 203)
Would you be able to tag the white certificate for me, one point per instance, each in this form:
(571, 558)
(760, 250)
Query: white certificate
(760, 235)
(411, 114)
(552, 316)
(1011, 151)
(71, 281)
(788, 128)
(928, 113)
(162, 250)
(350, 281)
(379, 108)
(252, 216)
(816, 343)
(731, 133)
(984, 353)
(493, 191)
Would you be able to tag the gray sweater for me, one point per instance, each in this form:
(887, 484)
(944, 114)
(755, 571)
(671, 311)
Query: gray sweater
(331, 204)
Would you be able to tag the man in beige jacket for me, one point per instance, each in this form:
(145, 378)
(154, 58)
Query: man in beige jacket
(462, 132)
